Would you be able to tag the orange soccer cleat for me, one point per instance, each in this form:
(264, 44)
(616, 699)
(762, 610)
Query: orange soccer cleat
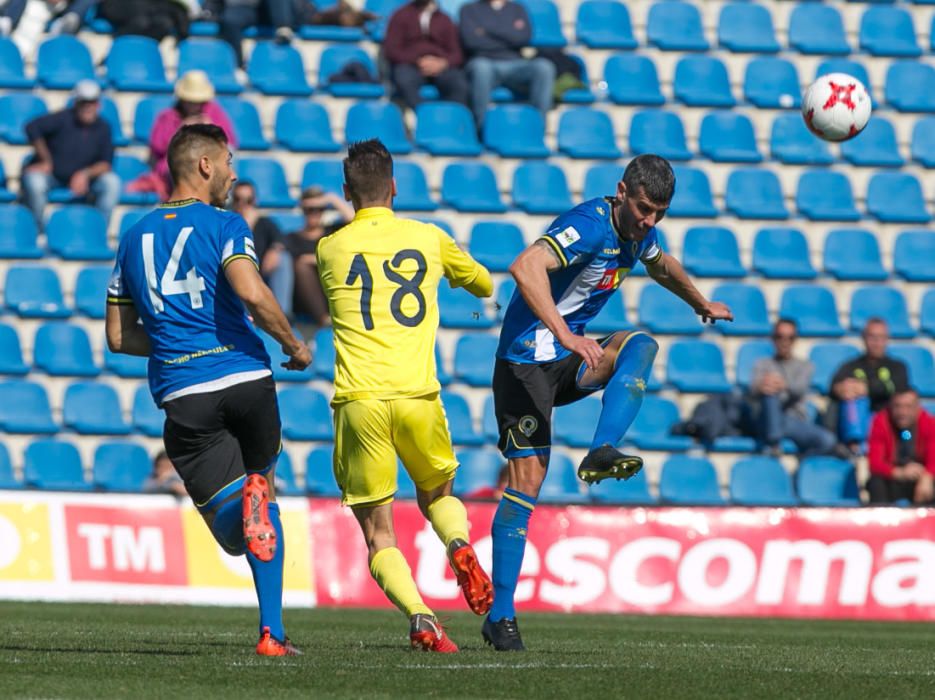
(426, 634)
(270, 646)
(474, 581)
(258, 532)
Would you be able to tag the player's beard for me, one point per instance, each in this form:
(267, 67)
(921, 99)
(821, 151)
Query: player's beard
(220, 187)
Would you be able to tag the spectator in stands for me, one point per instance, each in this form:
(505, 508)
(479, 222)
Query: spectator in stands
(269, 243)
(902, 452)
(66, 18)
(308, 298)
(194, 104)
(492, 34)
(422, 46)
(74, 149)
(164, 478)
(156, 19)
(237, 15)
(777, 396)
(864, 386)
(344, 13)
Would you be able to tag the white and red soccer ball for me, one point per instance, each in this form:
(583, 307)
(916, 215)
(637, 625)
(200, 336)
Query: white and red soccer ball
(836, 107)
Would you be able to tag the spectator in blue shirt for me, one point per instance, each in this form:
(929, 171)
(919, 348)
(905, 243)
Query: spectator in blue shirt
(74, 149)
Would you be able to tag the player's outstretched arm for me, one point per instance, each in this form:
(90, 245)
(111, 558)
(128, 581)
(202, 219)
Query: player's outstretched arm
(462, 270)
(669, 272)
(125, 333)
(262, 305)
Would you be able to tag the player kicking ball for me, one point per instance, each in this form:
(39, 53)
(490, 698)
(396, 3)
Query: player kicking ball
(544, 360)
(189, 272)
(381, 275)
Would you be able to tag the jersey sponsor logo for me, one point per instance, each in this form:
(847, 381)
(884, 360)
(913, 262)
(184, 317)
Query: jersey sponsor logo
(611, 279)
(567, 236)
(611, 251)
(600, 210)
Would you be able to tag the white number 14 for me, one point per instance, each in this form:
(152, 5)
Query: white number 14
(191, 284)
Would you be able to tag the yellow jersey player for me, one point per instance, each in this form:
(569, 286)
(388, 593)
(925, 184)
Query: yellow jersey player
(380, 274)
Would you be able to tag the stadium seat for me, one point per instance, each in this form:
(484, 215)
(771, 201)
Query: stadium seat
(922, 146)
(134, 64)
(876, 146)
(474, 359)
(782, 253)
(658, 132)
(333, 59)
(748, 355)
(701, 81)
(761, 481)
(772, 83)
(910, 86)
(587, 133)
(148, 419)
(515, 131)
(653, 424)
(24, 408)
(16, 110)
(662, 312)
(817, 29)
(120, 466)
(848, 67)
(711, 251)
(91, 290)
(268, 176)
(826, 481)
(6, 195)
(53, 465)
(383, 9)
(91, 408)
(692, 197)
(632, 80)
(496, 244)
(277, 69)
(111, 115)
(331, 33)
(813, 309)
(896, 198)
(471, 186)
(246, 121)
(11, 353)
(749, 307)
(505, 294)
(446, 129)
(853, 254)
(545, 22)
(412, 188)
(675, 26)
(888, 31)
(612, 317)
(696, 366)
(489, 421)
(881, 302)
(12, 74)
(305, 414)
(303, 125)
(827, 357)
(755, 194)
(573, 424)
(128, 168)
(582, 95)
(34, 292)
(327, 174)
(369, 119)
(323, 356)
(561, 484)
(444, 377)
(478, 469)
(284, 476)
(126, 366)
(277, 357)
(825, 195)
(460, 422)
(63, 60)
(632, 492)
(213, 56)
(540, 188)
(406, 489)
(920, 364)
(460, 309)
(18, 233)
(63, 350)
(689, 481)
(147, 109)
(746, 28)
(728, 137)
(791, 142)
(913, 255)
(8, 479)
(319, 474)
(78, 232)
(604, 24)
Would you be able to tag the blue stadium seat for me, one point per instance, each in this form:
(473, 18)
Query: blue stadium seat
(692, 197)
(587, 133)
(460, 422)
(329, 33)
(131, 217)
(303, 125)
(53, 465)
(63, 350)
(383, 9)
(327, 174)
(782, 253)
(12, 75)
(712, 251)
(280, 373)
(91, 408)
(755, 194)
(471, 186)
(660, 132)
(561, 484)
(91, 290)
(78, 232)
(333, 59)
(827, 357)
(16, 110)
(728, 137)
(696, 366)
(540, 188)
(922, 146)
(126, 366)
(474, 359)
(825, 195)
(573, 424)
(276, 69)
(601, 180)
(761, 481)
(406, 489)
(446, 129)
(148, 419)
(612, 317)
(478, 469)
(662, 312)
(632, 492)
(896, 198)
(18, 233)
(876, 146)
(632, 80)
(746, 28)
(826, 481)
(791, 142)
(6, 195)
(749, 307)
(284, 476)
(747, 356)
(910, 86)
(120, 466)
(128, 168)
(7, 479)
(675, 26)
(246, 121)
(268, 176)
(848, 67)
(382, 120)
(305, 414)
(881, 302)
(319, 474)
(147, 109)
(689, 481)
(134, 64)
(813, 309)
(604, 24)
(817, 29)
(853, 254)
(489, 421)
(504, 295)
(920, 364)
(546, 25)
(460, 309)
(515, 131)
(34, 292)
(888, 31)
(579, 95)
(913, 255)
(444, 377)
(701, 81)
(495, 244)
(772, 83)
(63, 61)
(213, 56)
(653, 424)
(323, 356)
(412, 188)
(24, 408)
(11, 352)
(111, 115)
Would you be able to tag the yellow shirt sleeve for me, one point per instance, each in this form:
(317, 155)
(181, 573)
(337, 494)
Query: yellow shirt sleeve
(462, 270)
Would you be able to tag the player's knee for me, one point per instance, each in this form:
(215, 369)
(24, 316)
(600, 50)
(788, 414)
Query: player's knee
(643, 348)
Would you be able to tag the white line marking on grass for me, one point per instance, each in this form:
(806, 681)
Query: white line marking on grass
(534, 664)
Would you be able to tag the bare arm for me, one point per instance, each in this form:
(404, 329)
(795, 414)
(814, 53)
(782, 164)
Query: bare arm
(669, 273)
(125, 334)
(98, 169)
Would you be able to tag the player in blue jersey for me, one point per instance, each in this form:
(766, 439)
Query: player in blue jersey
(185, 278)
(545, 360)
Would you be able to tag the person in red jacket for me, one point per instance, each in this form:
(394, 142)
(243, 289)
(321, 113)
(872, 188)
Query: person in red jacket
(902, 452)
(422, 46)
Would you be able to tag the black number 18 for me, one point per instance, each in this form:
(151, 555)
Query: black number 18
(407, 286)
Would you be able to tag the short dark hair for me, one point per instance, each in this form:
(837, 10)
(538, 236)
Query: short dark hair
(245, 183)
(785, 319)
(654, 175)
(368, 171)
(186, 146)
(875, 320)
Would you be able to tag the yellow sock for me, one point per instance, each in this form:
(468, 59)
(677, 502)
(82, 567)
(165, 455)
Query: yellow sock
(449, 519)
(390, 570)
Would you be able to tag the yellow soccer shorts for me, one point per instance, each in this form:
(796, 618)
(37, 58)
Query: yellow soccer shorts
(370, 433)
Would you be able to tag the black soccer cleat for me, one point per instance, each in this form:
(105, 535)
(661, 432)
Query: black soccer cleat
(503, 635)
(607, 462)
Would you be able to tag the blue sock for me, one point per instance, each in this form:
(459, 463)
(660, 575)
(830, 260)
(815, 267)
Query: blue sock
(267, 578)
(509, 544)
(623, 394)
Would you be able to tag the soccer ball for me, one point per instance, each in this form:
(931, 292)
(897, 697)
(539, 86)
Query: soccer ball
(836, 107)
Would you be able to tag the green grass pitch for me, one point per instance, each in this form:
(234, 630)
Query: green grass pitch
(129, 651)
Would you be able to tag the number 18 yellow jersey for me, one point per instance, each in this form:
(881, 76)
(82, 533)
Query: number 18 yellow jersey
(380, 274)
